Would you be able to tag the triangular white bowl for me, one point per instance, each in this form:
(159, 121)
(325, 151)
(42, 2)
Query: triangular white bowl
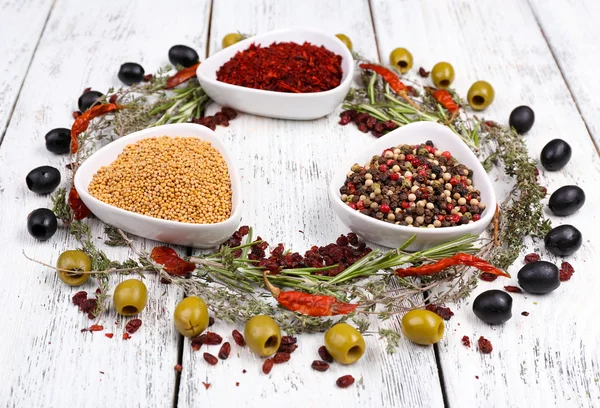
(391, 235)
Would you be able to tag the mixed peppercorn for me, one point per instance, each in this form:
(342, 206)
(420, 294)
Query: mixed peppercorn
(418, 186)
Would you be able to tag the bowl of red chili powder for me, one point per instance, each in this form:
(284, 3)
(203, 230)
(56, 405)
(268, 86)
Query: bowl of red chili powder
(298, 73)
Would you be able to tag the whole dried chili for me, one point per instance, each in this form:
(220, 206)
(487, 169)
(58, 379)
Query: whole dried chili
(172, 263)
(182, 76)
(392, 79)
(457, 259)
(284, 67)
(309, 304)
(83, 121)
(80, 210)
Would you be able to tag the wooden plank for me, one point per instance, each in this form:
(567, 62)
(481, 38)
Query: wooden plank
(571, 29)
(17, 48)
(551, 357)
(286, 167)
(45, 360)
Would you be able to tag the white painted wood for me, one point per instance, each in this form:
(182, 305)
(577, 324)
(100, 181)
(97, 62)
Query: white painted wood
(286, 167)
(551, 358)
(45, 360)
(571, 29)
(17, 48)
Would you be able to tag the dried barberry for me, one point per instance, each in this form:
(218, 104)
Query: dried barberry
(281, 357)
(530, 258)
(513, 289)
(197, 342)
(287, 348)
(488, 277)
(423, 73)
(345, 381)
(324, 354)
(238, 338)
(524, 313)
(133, 325)
(224, 351)
(210, 359)
(211, 338)
(485, 346)
(444, 312)
(466, 341)
(566, 271)
(267, 366)
(319, 365)
(288, 340)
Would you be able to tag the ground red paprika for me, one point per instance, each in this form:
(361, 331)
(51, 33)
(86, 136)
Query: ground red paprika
(284, 67)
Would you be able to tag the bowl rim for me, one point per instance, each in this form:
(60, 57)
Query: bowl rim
(169, 129)
(244, 44)
(334, 194)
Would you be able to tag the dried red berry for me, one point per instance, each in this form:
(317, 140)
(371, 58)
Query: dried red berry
(197, 342)
(212, 338)
(267, 365)
(423, 73)
(513, 289)
(485, 346)
(238, 338)
(444, 312)
(324, 354)
(345, 381)
(466, 341)
(126, 336)
(76, 114)
(206, 385)
(530, 258)
(524, 313)
(113, 98)
(133, 325)
(281, 357)
(288, 340)
(488, 277)
(79, 297)
(210, 359)
(224, 351)
(287, 348)
(178, 368)
(109, 335)
(237, 384)
(566, 271)
(320, 365)
(147, 78)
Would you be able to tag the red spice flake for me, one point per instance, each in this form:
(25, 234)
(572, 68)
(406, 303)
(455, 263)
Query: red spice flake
(444, 312)
(133, 325)
(79, 297)
(147, 78)
(281, 357)
(206, 385)
(345, 381)
(126, 336)
(477, 377)
(267, 366)
(109, 335)
(237, 384)
(87, 89)
(488, 277)
(490, 123)
(172, 263)
(324, 354)
(423, 73)
(244, 371)
(466, 341)
(224, 351)
(288, 340)
(210, 359)
(238, 338)
(319, 365)
(178, 368)
(513, 289)
(287, 348)
(530, 258)
(566, 271)
(211, 321)
(284, 67)
(525, 314)
(80, 211)
(485, 346)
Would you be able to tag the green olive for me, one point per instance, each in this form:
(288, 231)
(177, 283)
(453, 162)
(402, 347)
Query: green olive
(345, 344)
(423, 327)
(130, 297)
(231, 39)
(402, 59)
(74, 260)
(191, 316)
(442, 75)
(262, 335)
(344, 38)
(480, 95)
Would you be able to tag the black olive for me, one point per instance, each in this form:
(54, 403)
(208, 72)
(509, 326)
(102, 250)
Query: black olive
(43, 179)
(522, 118)
(539, 277)
(131, 73)
(566, 200)
(42, 224)
(88, 99)
(555, 155)
(563, 240)
(58, 140)
(493, 306)
(183, 55)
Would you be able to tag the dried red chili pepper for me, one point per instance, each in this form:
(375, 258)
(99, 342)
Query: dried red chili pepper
(392, 79)
(281, 357)
(466, 341)
(319, 365)
(173, 264)
(224, 351)
(210, 359)
(206, 385)
(238, 338)
(530, 258)
(445, 99)
(80, 211)
(182, 76)
(566, 271)
(457, 259)
(485, 346)
(83, 121)
(345, 381)
(309, 304)
(324, 354)
(133, 325)
(267, 366)
(513, 289)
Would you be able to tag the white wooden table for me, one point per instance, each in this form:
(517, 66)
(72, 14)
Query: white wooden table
(538, 52)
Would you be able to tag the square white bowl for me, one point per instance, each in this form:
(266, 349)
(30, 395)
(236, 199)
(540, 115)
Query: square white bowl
(173, 232)
(278, 104)
(391, 235)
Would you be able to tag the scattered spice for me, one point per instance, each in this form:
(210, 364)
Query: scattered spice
(267, 366)
(196, 343)
(80, 210)
(423, 73)
(76, 114)
(126, 336)
(224, 351)
(345, 381)
(244, 371)
(211, 338)
(477, 377)
(566, 271)
(284, 67)
(444, 312)
(178, 368)
(319, 365)
(220, 118)
(525, 314)
(206, 385)
(466, 341)
(93, 328)
(281, 357)
(147, 78)
(513, 289)
(182, 76)
(210, 359)
(532, 257)
(485, 346)
(488, 277)
(238, 338)
(366, 122)
(113, 98)
(133, 325)
(109, 335)
(324, 354)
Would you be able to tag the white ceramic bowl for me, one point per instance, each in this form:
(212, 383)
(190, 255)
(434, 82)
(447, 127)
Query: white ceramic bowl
(278, 104)
(173, 232)
(391, 235)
